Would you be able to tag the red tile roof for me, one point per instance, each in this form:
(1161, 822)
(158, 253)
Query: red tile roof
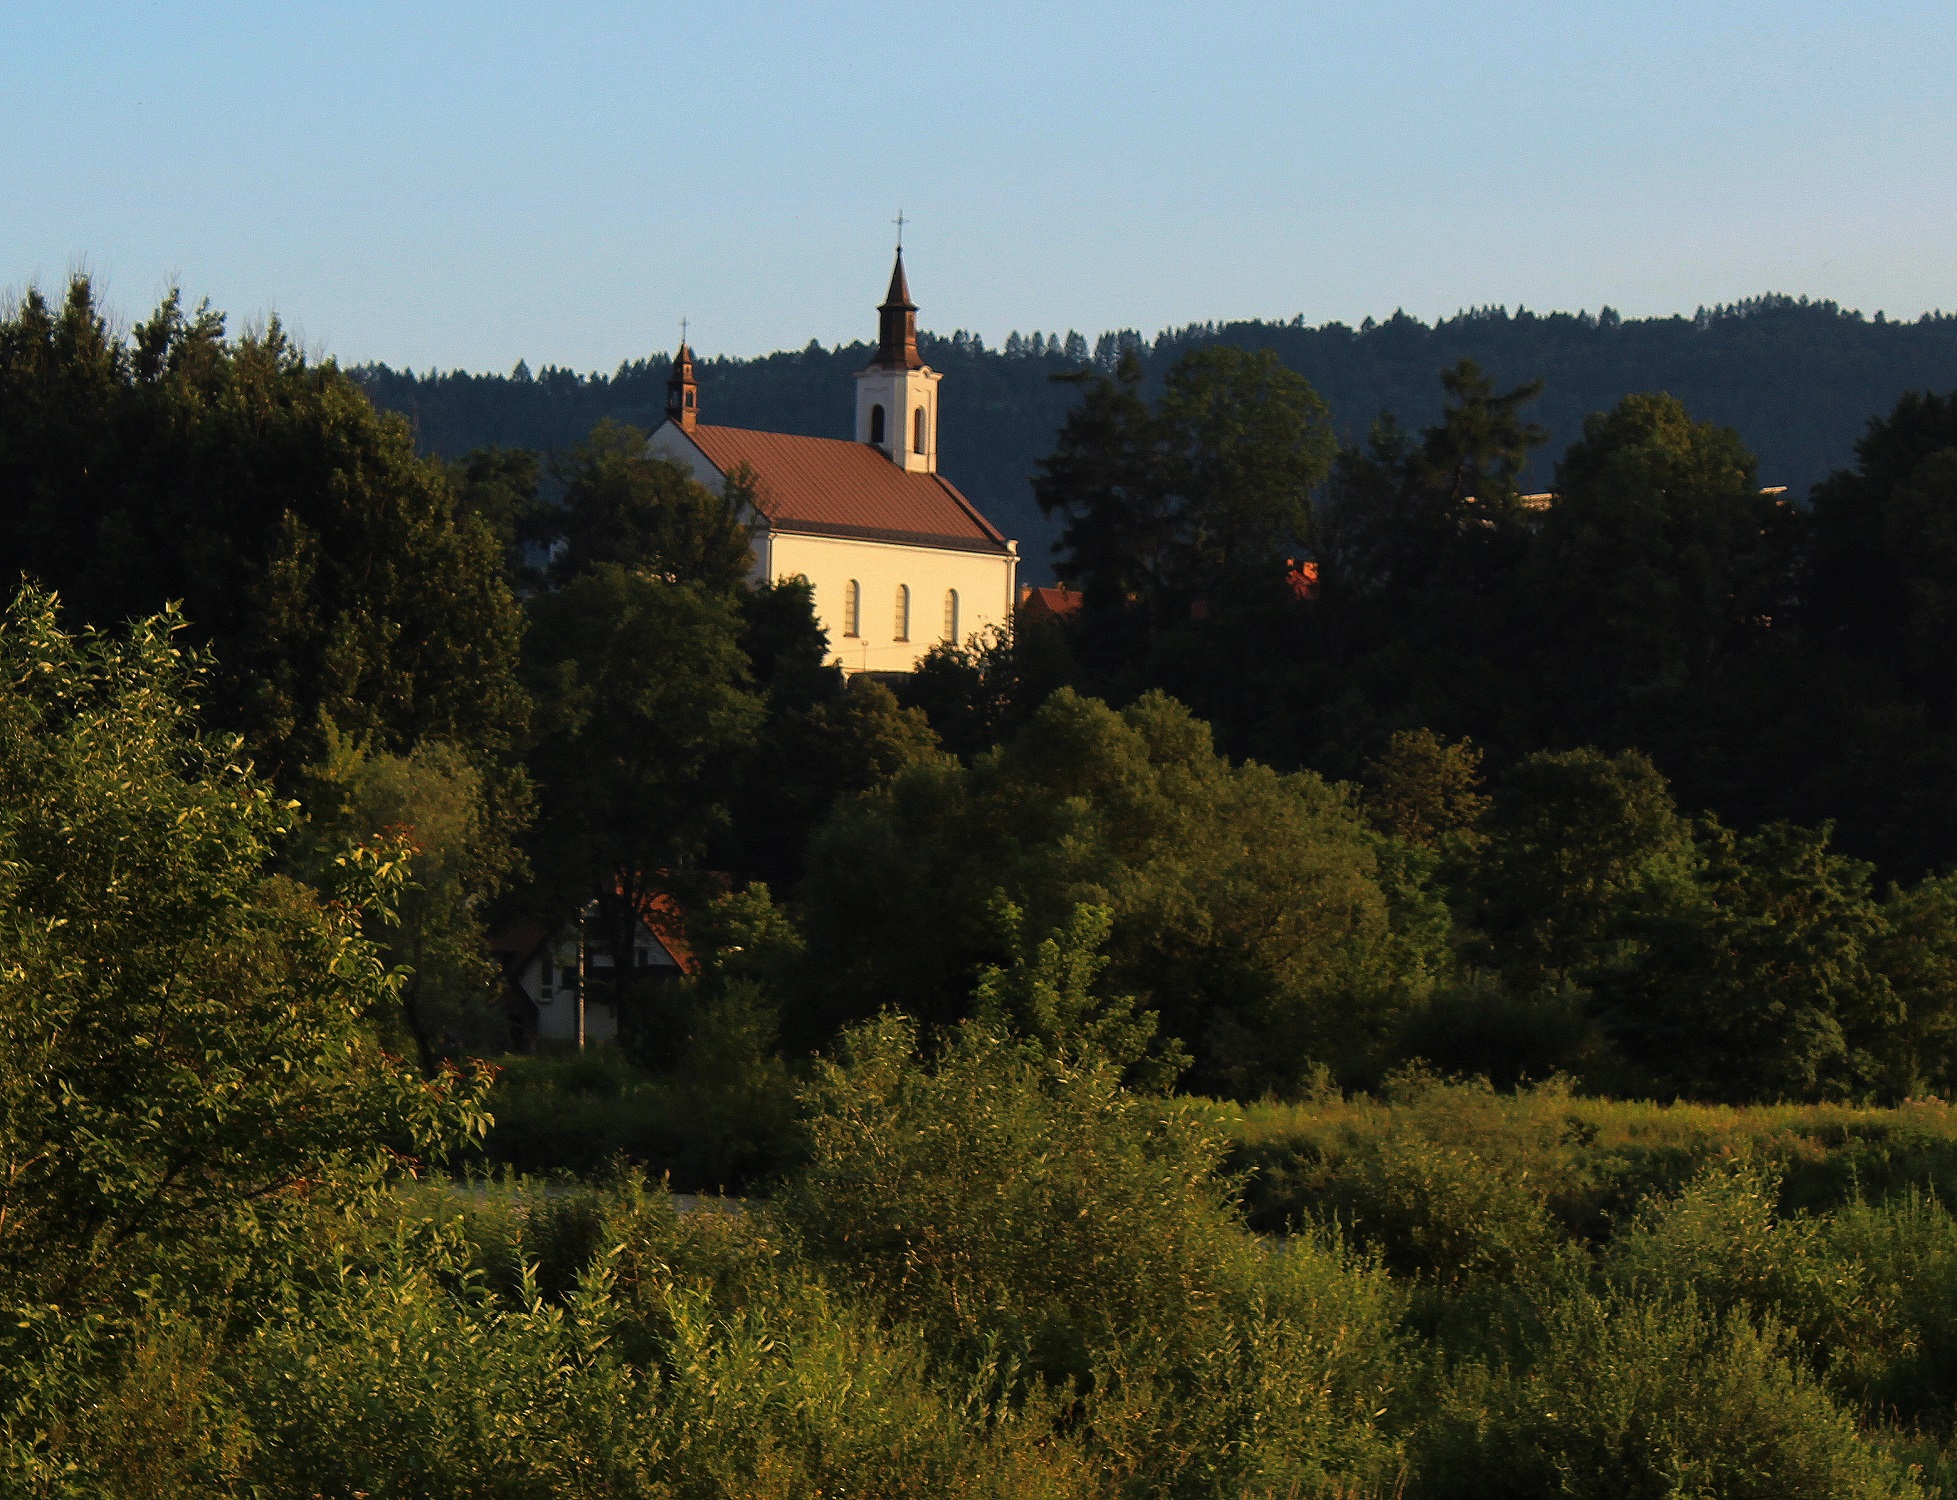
(827, 487)
(1052, 603)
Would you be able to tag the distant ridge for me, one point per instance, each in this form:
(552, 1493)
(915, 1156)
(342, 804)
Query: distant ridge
(1798, 378)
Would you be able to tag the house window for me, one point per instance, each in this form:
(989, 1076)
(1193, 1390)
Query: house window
(903, 611)
(852, 608)
(951, 616)
(545, 984)
(917, 431)
(876, 424)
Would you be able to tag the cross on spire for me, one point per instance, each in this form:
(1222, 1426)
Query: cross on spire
(900, 222)
(682, 333)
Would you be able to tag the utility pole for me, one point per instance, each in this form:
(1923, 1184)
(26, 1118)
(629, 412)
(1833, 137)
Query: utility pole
(584, 917)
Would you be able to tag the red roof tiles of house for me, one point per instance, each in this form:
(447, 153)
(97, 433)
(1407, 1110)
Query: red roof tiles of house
(1049, 603)
(827, 487)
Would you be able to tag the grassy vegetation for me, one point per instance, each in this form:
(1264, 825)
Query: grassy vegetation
(584, 1112)
(1591, 1159)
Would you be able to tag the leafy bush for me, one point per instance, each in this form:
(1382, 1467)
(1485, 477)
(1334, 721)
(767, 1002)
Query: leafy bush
(1721, 1241)
(648, 1375)
(185, 1052)
(723, 1121)
(1011, 1196)
(1627, 1399)
(1247, 907)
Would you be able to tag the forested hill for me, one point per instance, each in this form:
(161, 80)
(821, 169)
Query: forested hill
(1799, 379)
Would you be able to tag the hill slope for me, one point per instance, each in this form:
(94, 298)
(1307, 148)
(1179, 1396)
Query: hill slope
(1799, 379)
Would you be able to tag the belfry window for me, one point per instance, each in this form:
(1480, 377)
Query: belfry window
(917, 431)
(852, 608)
(876, 424)
(903, 611)
(951, 617)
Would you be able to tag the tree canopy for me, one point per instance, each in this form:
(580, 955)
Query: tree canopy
(330, 568)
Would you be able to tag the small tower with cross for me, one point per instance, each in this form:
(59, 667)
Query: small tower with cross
(682, 390)
(896, 392)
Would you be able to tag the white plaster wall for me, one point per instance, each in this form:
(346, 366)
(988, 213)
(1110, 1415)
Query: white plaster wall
(557, 1002)
(670, 442)
(900, 392)
(985, 584)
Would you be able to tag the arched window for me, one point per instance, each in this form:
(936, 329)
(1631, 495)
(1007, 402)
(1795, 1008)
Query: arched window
(852, 608)
(903, 611)
(951, 616)
(917, 431)
(876, 424)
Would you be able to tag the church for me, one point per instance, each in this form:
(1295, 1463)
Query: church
(898, 559)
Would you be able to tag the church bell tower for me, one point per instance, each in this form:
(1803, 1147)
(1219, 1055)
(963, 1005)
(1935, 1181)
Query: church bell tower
(683, 391)
(897, 393)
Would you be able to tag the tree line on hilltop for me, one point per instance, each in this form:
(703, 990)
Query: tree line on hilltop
(1797, 379)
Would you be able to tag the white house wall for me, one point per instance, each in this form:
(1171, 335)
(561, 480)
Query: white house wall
(670, 442)
(984, 581)
(557, 1001)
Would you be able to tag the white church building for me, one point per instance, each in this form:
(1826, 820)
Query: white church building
(898, 559)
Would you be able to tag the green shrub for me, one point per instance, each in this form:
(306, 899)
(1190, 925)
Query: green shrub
(1005, 1188)
(1904, 1253)
(1628, 1399)
(1453, 1183)
(724, 1120)
(1601, 1158)
(1006, 1196)
(1484, 1028)
(1721, 1241)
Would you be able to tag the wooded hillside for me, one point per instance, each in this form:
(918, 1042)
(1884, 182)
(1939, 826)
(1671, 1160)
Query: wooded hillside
(1797, 378)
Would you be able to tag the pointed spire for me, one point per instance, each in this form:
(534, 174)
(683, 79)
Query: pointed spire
(682, 390)
(897, 323)
(899, 294)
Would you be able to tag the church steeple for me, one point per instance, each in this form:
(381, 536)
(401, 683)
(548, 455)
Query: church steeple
(683, 391)
(897, 393)
(897, 324)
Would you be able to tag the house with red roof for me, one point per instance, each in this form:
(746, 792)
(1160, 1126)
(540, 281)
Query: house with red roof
(898, 559)
(541, 963)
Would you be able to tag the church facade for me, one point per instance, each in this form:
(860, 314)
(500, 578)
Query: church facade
(898, 559)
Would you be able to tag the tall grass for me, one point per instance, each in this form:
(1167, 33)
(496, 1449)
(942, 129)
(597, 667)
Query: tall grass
(998, 1273)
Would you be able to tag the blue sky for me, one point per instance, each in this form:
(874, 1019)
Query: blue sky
(464, 185)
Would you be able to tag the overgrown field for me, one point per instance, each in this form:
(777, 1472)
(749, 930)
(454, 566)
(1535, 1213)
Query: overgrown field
(1589, 1160)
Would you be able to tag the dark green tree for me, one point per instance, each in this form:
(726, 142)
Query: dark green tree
(1103, 480)
(501, 487)
(1439, 513)
(1427, 791)
(1917, 954)
(188, 1072)
(1657, 570)
(333, 571)
(1885, 541)
(1245, 442)
(822, 739)
(1247, 909)
(1166, 505)
(646, 712)
(1574, 837)
(460, 857)
(625, 507)
(1767, 985)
